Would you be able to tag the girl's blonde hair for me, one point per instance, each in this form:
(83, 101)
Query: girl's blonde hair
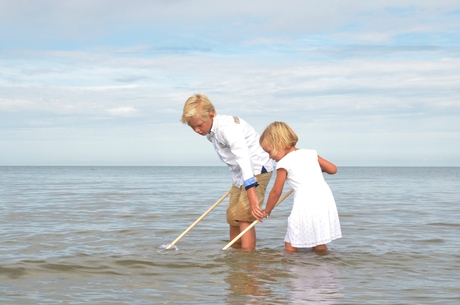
(198, 105)
(278, 136)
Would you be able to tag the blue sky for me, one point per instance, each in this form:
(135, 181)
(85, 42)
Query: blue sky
(365, 83)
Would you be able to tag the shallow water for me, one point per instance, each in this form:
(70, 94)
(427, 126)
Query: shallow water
(93, 235)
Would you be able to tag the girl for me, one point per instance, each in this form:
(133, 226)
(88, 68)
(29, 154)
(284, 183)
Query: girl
(314, 220)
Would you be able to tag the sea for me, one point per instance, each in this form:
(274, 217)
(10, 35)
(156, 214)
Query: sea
(97, 235)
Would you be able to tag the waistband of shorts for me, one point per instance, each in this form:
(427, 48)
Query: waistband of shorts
(263, 170)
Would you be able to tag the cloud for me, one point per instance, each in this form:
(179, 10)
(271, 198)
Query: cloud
(188, 25)
(123, 111)
(348, 72)
(272, 85)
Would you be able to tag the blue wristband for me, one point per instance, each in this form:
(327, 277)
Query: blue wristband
(251, 182)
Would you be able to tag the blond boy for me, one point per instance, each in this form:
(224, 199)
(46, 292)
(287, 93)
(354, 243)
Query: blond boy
(237, 145)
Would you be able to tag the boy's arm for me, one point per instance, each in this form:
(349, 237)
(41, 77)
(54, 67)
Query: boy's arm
(276, 191)
(254, 202)
(326, 166)
(236, 141)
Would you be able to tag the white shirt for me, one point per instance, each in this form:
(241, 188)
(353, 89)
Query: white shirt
(237, 145)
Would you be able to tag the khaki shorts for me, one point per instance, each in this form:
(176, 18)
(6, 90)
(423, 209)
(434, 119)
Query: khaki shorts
(239, 208)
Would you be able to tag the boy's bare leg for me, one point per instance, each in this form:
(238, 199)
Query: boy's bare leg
(234, 232)
(248, 240)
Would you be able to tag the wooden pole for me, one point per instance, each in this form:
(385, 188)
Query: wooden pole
(198, 220)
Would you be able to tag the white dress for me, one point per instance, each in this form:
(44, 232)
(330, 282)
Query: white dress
(314, 219)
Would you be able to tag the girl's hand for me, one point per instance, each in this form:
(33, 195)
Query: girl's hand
(266, 214)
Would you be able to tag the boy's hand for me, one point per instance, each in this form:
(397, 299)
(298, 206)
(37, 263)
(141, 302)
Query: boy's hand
(254, 202)
(256, 212)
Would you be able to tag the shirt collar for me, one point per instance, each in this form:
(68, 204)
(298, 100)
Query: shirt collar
(212, 131)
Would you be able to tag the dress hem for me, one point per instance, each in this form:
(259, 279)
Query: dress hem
(315, 244)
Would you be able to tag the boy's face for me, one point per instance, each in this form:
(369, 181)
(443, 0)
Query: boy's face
(201, 127)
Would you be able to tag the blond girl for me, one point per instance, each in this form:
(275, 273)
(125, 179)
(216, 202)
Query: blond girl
(314, 219)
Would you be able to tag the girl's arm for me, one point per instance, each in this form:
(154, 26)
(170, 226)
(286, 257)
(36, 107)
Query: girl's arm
(276, 191)
(326, 166)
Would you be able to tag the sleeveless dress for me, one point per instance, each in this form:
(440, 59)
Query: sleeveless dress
(314, 219)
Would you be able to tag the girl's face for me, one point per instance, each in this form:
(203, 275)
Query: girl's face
(278, 156)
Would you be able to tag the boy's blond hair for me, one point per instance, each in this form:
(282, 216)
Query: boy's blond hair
(198, 105)
(278, 136)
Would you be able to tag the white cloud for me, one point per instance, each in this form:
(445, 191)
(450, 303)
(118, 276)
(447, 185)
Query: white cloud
(123, 111)
(235, 21)
(346, 72)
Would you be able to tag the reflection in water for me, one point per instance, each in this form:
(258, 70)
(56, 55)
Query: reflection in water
(313, 282)
(255, 277)
(249, 282)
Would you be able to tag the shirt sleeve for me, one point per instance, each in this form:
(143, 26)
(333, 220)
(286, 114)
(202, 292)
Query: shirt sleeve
(234, 136)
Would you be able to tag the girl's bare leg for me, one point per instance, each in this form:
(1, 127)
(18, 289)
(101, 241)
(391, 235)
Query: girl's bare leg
(320, 248)
(289, 247)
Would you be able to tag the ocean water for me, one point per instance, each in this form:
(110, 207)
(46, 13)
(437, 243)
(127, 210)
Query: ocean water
(94, 235)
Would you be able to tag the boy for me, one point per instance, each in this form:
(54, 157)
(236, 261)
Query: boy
(237, 145)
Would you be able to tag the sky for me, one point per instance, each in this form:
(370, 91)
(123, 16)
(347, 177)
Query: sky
(93, 82)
